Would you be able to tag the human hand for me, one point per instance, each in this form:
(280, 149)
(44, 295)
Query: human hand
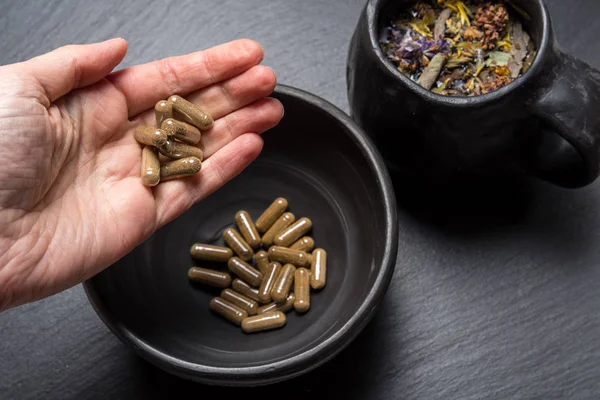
(71, 198)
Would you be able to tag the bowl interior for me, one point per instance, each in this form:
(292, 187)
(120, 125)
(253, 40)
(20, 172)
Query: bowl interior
(312, 161)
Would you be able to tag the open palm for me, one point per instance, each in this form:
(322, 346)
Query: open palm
(71, 198)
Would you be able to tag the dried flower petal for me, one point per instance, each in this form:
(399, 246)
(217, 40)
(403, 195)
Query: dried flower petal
(458, 47)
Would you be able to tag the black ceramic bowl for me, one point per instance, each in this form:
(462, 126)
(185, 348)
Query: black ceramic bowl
(323, 164)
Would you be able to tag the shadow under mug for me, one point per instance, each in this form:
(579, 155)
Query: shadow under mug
(547, 122)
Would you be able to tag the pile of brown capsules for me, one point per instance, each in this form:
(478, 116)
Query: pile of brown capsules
(177, 132)
(268, 283)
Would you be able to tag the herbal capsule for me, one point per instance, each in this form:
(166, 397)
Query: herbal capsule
(283, 283)
(173, 149)
(269, 278)
(247, 229)
(263, 322)
(305, 244)
(180, 168)
(285, 255)
(162, 110)
(150, 166)
(181, 131)
(229, 311)
(242, 287)
(210, 277)
(245, 271)
(283, 307)
(318, 269)
(243, 302)
(234, 240)
(283, 222)
(271, 214)
(150, 136)
(209, 252)
(190, 113)
(302, 290)
(261, 258)
(293, 232)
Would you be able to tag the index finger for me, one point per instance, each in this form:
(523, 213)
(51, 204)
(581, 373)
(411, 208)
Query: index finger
(144, 85)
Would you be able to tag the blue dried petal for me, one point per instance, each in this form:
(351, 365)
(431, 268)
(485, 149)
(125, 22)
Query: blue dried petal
(425, 43)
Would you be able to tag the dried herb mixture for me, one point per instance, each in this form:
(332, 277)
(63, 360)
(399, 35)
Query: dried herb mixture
(460, 48)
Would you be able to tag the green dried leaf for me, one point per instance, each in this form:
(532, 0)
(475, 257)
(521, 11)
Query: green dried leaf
(497, 58)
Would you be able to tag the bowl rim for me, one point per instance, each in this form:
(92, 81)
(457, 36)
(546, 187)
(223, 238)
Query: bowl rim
(315, 356)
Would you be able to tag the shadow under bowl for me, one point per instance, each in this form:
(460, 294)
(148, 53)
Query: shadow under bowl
(322, 163)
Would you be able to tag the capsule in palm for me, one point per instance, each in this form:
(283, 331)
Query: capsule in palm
(180, 168)
(181, 131)
(150, 136)
(173, 149)
(162, 111)
(191, 113)
(150, 166)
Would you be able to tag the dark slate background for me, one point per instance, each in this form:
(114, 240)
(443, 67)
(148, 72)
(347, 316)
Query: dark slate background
(493, 296)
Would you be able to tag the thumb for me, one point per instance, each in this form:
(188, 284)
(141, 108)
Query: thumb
(74, 66)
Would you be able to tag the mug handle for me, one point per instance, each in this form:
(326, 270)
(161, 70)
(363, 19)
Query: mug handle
(565, 148)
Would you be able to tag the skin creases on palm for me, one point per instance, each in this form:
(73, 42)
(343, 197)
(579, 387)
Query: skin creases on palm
(71, 198)
(56, 205)
(25, 153)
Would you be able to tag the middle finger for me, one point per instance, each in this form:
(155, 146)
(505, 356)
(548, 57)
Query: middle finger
(225, 97)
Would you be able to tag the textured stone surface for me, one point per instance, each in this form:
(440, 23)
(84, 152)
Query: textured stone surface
(497, 298)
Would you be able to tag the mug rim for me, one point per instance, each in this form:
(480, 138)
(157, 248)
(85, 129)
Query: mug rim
(373, 11)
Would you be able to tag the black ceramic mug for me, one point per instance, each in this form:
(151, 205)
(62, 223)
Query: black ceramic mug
(546, 122)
